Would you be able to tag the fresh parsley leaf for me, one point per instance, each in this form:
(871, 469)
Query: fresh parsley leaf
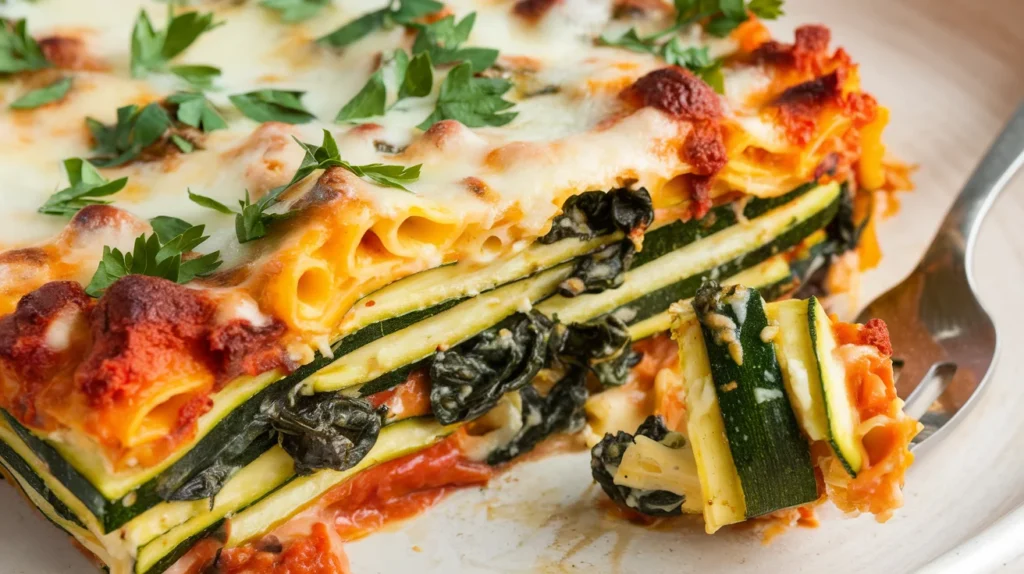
(370, 101)
(443, 40)
(697, 60)
(474, 101)
(397, 12)
(210, 203)
(134, 131)
(292, 11)
(252, 219)
(200, 77)
(195, 110)
(167, 227)
(154, 257)
(86, 184)
(394, 176)
(42, 96)
(417, 77)
(153, 49)
(631, 40)
(19, 52)
(273, 106)
(766, 9)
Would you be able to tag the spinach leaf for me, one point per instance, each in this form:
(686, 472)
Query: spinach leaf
(468, 379)
(597, 272)
(606, 456)
(326, 430)
(595, 213)
(602, 346)
(560, 411)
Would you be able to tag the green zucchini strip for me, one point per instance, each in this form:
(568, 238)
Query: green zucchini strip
(769, 451)
(254, 511)
(815, 381)
(766, 276)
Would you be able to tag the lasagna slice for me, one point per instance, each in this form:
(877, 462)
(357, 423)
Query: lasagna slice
(308, 269)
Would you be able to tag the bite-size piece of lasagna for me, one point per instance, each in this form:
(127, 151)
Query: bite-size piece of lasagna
(783, 407)
(272, 274)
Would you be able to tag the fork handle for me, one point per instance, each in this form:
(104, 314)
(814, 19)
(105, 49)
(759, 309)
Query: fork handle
(1002, 160)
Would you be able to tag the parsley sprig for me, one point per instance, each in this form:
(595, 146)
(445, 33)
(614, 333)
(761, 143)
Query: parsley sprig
(193, 109)
(152, 49)
(19, 52)
(721, 16)
(474, 101)
(252, 219)
(415, 79)
(273, 106)
(86, 185)
(443, 41)
(42, 96)
(135, 130)
(397, 12)
(156, 257)
(292, 11)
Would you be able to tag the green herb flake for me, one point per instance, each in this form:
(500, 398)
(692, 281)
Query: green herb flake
(397, 12)
(273, 106)
(473, 101)
(369, 102)
(42, 96)
(156, 258)
(199, 77)
(85, 186)
(443, 41)
(195, 110)
(291, 11)
(19, 52)
(152, 49)
(134, 131)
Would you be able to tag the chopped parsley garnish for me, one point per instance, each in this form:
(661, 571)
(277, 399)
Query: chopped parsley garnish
(721, 16)
(295, 10)
(134, 131)
(252, 219)
(397, 12)
(198, 76)
(167, 227)
(443, 41)
(153, 49)
(42, 96)
(472, 100)
(86, 185)
(19, 52)
(193, 109)
(415, 79)
(273, 106)
(156, 257)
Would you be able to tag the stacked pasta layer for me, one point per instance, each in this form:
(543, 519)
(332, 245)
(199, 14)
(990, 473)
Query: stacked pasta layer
(485, 242)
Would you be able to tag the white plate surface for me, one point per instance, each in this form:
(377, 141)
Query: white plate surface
(951, 71)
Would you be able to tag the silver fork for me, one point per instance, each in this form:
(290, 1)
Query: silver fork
(938, 327)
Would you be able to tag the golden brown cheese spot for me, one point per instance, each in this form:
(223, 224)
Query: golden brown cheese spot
(27, 349)
(809, 49)
(677, 92)
(67, 53)
(533, 10)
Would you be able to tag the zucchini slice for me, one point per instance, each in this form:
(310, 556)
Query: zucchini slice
(768, 452)
(838, 406)
(815, 380)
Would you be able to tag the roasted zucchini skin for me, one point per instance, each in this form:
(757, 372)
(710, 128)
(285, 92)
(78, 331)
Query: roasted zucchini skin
(770, 453)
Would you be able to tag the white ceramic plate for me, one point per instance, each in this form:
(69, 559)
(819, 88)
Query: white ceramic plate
(951, 71)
